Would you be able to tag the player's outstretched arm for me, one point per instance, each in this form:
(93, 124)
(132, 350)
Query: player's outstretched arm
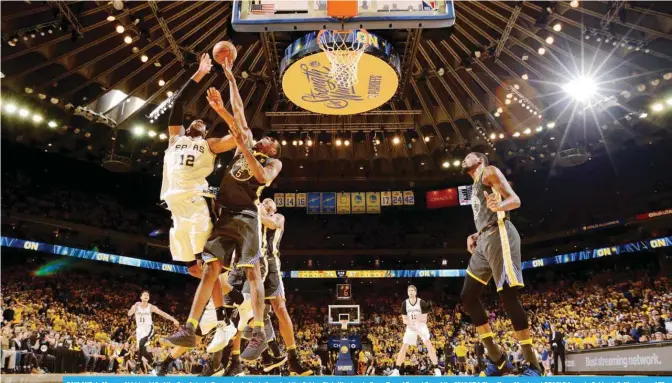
(226, 143)
(240, 122)
(494, 178)
(175, 128)
(165, 315)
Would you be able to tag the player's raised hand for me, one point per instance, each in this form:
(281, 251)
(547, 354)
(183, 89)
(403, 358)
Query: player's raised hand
(228, 69)
(206, 63)
(492, 202)
(215, 99)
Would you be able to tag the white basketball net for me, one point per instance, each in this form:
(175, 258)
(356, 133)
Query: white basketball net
(344, 324)
(343, 50)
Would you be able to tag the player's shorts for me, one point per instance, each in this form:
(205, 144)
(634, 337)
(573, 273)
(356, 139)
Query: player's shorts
(497, 255)
(411, 335)
(192, 224)
(144, 335)
(236, 279)
(208, 321)
(272, 277)
(238, 231)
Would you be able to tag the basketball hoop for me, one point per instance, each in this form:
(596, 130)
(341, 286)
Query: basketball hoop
(344, 49)
(344, 324)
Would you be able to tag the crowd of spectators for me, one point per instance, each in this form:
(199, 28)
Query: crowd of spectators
(56, 319)
(128, 203)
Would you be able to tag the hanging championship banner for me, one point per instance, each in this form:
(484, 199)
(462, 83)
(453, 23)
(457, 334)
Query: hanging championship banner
(385, 198)
(279, 199)
(343, 203)
(314, 202)
(373, 202)
(358, 202)
(409, 198)
(328, 203)
(397, 198)
(300, 199)
(289, 200)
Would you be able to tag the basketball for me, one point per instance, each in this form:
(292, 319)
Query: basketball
(223, 50)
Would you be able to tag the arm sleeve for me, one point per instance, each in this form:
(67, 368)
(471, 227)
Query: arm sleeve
(424, 307)
(177, 112)
(403, 308)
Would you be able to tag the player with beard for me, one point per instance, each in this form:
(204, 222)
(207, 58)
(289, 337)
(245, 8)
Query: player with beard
(495, 253)
(188, 160)
(253, 167)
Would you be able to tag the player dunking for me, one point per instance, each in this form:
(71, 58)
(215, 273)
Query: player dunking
(414, 315)
(144, 328)
(495, 253)
(188, 160)
(253, 167)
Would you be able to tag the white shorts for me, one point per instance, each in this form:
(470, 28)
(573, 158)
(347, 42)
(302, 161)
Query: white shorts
(191, 227)
(144, 332)
(208, 320)
(411, 335)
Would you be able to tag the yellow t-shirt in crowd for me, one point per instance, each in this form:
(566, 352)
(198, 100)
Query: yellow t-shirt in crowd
(460, 351)
(58, 324)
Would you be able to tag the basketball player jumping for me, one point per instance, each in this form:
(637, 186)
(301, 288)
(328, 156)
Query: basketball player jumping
(414, 315)
(188, 160)
(144, 328)
(253, 167)
(495, 253)
(274, 290)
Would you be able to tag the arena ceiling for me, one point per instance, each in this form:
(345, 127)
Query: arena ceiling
(493, 83)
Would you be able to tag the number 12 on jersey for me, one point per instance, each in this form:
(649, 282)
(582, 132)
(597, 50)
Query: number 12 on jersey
(186, 160)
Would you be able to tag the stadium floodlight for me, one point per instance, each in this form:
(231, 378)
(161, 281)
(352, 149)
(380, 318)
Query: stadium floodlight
(138, 130)
(581, 89)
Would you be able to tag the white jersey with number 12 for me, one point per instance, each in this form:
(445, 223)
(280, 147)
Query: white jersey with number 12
(186, 164)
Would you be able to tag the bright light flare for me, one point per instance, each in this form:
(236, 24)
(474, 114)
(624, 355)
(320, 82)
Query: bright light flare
(10, 108)
(581, 89)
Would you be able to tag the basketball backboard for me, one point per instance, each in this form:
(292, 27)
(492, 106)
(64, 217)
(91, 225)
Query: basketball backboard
(341, 312)
(311, 15)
